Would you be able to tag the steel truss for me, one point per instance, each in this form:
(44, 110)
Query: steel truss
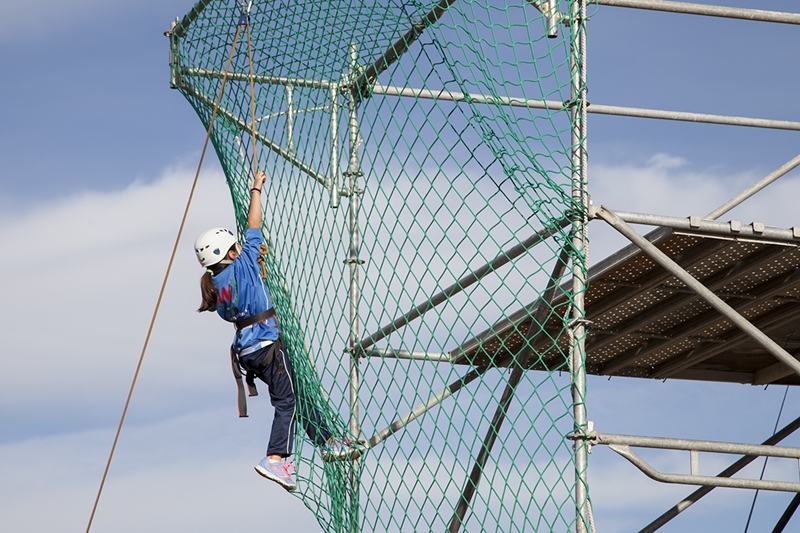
(362, 82)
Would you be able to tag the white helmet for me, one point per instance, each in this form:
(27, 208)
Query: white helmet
(212, 246)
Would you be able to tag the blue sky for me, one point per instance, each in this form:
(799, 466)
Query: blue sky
(98, 154)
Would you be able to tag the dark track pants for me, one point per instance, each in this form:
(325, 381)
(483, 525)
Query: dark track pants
(279, 377)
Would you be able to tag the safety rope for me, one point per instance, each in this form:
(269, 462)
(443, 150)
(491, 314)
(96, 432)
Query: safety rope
(252, 99)
(166, 276)
(262, 257)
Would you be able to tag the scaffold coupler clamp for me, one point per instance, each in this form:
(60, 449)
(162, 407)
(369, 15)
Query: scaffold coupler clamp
(575, 322)
(589, 436)
(356, 353)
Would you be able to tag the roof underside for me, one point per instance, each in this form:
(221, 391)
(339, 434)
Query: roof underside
(647, 324)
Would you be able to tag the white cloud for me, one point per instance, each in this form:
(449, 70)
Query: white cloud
(86, 280)
(191, 473)
(672, 186)
(79, 299)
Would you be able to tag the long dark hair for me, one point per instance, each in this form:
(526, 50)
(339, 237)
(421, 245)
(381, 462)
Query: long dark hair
(208, 291)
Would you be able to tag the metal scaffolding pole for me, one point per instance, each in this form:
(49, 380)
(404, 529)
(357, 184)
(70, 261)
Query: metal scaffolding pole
(787, 514)
(429, 404)
(244, 126)
(687, 502)
(703, 226)
(359, 85)
(512, 101)
(353, 260)
(598, 109)
(621, 444)
(707, 10)
(434, 357)
(290, 118)
(354, 264)
(580, 245)
(333, 179)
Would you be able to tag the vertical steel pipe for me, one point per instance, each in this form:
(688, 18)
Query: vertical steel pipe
(290, 118)
(333, 178)
(580, 244)
(353, 260)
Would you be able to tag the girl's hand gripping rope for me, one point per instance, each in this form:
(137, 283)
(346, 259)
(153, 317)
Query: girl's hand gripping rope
(254, 215)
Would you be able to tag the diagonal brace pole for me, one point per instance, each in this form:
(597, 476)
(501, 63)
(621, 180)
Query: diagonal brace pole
(503, 258)
(702, 291)
(521, 363)
(433, 401)
(241, 124)
(393, 53)
(750, 191)
(423, 408)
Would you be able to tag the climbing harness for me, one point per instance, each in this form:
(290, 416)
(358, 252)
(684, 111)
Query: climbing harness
(249, 374)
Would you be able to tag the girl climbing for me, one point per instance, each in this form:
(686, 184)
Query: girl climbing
(232, 286)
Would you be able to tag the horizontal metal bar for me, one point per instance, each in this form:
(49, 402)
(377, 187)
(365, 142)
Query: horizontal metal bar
(455, 96)
(706, 481)
(693, 117)
(293, 112)
(663, 443)
(257, 78)
(750, 191)
(702, 226)
(244, 126)
(502, 259)
(707, 10)
(688, 501)
(423, 408)
(702, 291)
(511, 101)
(413, 355)
(599, 109)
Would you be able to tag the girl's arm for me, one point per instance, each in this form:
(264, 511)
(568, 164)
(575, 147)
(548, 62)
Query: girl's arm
(254, 215)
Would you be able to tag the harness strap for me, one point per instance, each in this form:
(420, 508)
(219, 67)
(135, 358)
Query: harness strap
(250, 320)
(250, 374)
(237, 374)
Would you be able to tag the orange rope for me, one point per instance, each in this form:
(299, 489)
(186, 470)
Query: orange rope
(166, 277)
(252, 100)
(263, 251)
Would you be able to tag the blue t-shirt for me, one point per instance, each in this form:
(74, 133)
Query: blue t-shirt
(241, 293)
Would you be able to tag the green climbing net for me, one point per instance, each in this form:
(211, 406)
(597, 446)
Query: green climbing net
(419, 216)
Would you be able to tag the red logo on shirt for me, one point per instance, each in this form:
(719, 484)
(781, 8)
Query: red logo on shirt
(225, 294)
